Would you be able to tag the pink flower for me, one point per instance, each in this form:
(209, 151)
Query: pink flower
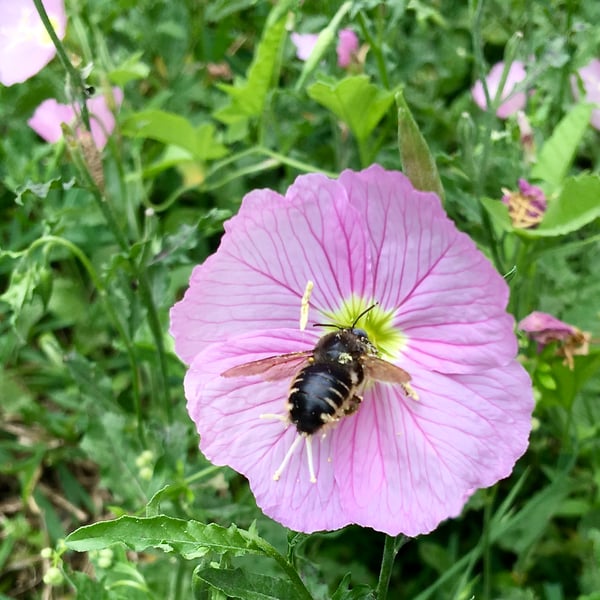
(590, 77)
(527, 206)
(398, 463)
(347, 47)
(26, 46)
(512, 102)
(50, 114)
(544, 329)
(304, 42)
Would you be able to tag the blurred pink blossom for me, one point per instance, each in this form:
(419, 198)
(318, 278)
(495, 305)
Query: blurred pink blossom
(50, 114)
(544, 329)
(26, 46)
(590, 78)
(347, 47)
(512, 102)
(398, 463)
(304, 42)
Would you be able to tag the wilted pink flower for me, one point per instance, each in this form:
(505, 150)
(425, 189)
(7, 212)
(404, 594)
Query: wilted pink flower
(527, 206)
(26, 46)
(590, 77)
(512, 102)
(406, 459)
(50, 114)
(544, 329)
(347, 47)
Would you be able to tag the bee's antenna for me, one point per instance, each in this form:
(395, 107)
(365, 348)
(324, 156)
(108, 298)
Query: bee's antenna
(362, 314)
(327, 325)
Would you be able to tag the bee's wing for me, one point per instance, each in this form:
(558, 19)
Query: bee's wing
(271, 368)
(382, 370)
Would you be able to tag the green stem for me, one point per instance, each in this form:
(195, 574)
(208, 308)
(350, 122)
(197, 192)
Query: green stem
(72, 72)
(390, 550)
(486, 545)
(144, 288)
(375, 46)
(110, 311)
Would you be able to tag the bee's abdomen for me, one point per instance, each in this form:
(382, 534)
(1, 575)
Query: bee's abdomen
(319, 394)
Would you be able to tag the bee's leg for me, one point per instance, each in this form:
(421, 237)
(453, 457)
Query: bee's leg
(409, 391)
(352, 404)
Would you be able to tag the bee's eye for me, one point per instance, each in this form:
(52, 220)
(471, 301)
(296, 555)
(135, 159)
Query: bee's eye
(360, 332)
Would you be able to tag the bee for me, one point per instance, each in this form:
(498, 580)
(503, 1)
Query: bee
(326, 381)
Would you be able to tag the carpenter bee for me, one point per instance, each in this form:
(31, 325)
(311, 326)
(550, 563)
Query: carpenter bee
(326, 381)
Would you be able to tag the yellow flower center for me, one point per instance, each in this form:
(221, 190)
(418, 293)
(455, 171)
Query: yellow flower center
(377, 322)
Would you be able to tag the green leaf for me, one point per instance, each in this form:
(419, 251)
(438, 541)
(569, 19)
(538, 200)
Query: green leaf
(248, 97)
(130, 69)
(190, 539)
(556, 155)
(346, 591)
(41, 190)
(499, 213)
(173, 129)
(354, 100)
(577, 205)
(235, 583)
(417, 161)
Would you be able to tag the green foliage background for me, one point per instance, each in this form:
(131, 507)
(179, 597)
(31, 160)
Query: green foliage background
(94, 425)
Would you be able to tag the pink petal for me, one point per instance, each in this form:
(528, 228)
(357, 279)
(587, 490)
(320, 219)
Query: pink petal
(514, 102)
(48, 117)
(50, 114)
(347, 47)
(269, 252)
(26, 46)
(397, 464)
(227, 412)
(447, 297)
(305, 43)
(590, 77)
(102, 119)
(406, 465)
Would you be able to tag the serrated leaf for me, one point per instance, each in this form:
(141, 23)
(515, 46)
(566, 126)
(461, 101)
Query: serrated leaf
(235, 583)
(556, 155)
(355, 101)
(248, 96)
(190, 539)
(41, 190)
(417, 161)
(577, 205)
(173, 129)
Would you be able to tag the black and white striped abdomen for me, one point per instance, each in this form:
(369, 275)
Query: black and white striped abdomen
(321, 393)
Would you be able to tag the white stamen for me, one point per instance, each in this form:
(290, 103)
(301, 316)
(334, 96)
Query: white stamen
(286, 458)
(309, 456)
(304, 307)
(282, 418)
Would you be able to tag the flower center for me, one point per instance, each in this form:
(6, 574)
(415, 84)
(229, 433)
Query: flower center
(377, 322)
